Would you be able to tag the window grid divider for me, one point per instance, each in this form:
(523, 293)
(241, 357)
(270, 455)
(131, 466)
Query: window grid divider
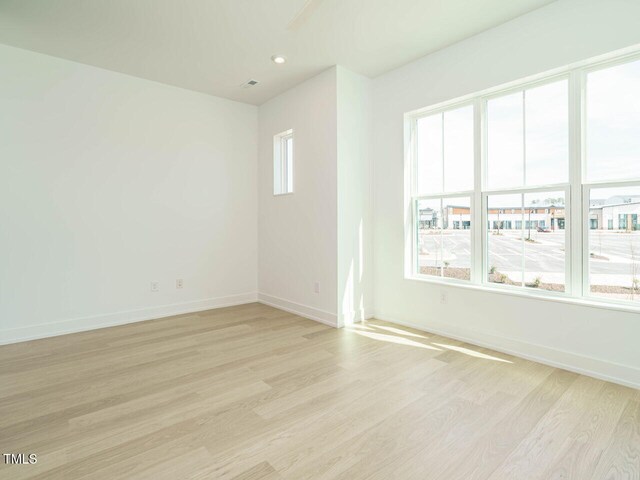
(477, 243)
(576, 260)
(524, 138)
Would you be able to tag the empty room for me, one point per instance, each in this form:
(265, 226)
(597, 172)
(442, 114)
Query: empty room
(320, 239)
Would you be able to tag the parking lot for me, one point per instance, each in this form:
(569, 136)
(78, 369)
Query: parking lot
(615, 256)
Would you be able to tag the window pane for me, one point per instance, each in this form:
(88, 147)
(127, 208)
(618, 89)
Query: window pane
(504, 239)
(505, 141)
(444, 237)
(613, 122)
(544, 246)
(614, 243)
(429, 164)
(458, 149)
(534, 149)
(429, 217)
(547, 134)
(456, 238)
(526, 240)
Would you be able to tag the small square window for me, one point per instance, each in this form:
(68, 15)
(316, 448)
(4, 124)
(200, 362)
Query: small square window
(283, 163)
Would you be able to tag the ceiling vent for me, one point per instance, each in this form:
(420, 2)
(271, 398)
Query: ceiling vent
(250, 83)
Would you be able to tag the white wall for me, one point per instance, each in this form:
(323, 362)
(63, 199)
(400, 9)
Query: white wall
(298, 232)
(355, 253)
(602, 342)
(109, 182)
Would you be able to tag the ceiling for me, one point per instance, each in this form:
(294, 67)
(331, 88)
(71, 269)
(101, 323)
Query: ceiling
(214, 46)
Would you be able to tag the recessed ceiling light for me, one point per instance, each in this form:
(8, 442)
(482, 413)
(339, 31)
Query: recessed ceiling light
(279, 59)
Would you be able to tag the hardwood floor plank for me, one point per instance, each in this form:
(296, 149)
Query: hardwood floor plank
(258, 472)
(538, 448)
(506, 435)
(621, 459)
(582, 449)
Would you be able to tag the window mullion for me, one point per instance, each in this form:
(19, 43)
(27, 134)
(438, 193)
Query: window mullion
(522, 244)
(441, 232)
(442, 140)
(478, 270)
(577, 248)
(413, 146)
(524, 138)
(415, 242)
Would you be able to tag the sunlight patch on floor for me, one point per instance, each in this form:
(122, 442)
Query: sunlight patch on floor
(472, 353)
(399, 331)
(394, 339)
(397, 336)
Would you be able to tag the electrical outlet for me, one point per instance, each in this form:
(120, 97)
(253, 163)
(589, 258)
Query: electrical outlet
(443, 297)
(179, 283)
(316, 287)
(155, 286)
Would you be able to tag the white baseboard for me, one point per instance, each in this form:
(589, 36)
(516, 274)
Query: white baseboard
(597, 368)
(593, 367)
(305, 311)
(34, 332)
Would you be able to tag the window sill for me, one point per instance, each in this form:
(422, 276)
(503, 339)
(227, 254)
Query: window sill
(533, 295)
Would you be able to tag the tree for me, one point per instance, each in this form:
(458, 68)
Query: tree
(554, 201)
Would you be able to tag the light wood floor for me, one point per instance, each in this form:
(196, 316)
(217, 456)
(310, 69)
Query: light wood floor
(252, 392)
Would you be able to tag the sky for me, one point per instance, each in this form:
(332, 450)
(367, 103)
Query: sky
(528, 137)
(613, 123)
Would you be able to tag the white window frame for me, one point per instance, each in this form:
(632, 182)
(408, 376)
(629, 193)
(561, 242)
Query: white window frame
(416, 198)
(577, 188)
(282, 164)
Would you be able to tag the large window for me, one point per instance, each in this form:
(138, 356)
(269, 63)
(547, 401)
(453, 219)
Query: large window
(534, 188)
